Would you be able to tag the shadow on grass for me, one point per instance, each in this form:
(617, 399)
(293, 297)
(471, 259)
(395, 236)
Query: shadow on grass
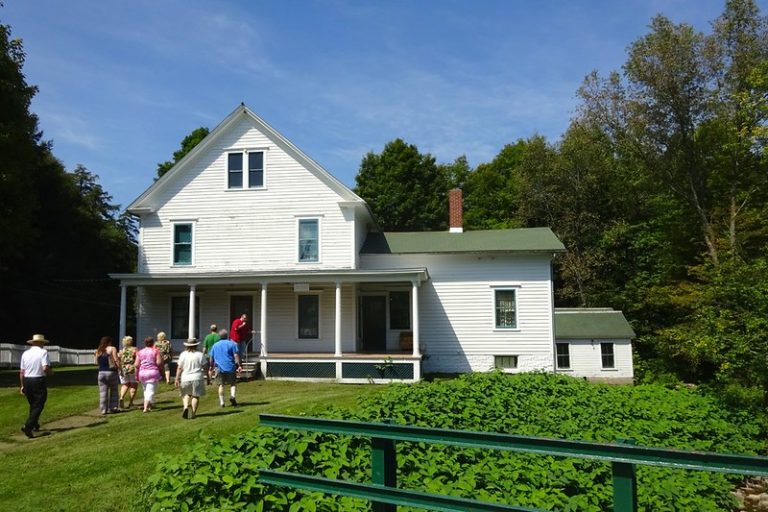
(246, 404)
(219, 413)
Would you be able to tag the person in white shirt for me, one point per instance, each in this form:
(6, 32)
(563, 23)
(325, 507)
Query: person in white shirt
(190, 377)
(35, 367)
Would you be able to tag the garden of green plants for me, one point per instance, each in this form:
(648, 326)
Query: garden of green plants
(159, 461)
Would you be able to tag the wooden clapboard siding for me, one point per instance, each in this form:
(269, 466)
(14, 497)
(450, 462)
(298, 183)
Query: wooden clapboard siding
(457, 304)
(248, 229)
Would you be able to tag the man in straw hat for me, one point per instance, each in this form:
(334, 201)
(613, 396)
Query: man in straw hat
(34, 368)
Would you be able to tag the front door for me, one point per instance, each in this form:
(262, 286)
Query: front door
(374, 323)
(239, 304)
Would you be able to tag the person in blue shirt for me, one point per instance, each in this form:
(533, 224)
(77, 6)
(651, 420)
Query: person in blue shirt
(225, 362)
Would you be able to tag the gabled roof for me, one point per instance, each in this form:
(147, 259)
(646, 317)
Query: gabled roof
(494, 240)
(144, 201)
(591, 323)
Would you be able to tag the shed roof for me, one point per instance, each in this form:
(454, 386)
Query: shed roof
(494, 240)
(591, 323)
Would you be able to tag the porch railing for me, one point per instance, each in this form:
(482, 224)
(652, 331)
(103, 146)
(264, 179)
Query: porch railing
(385, 496)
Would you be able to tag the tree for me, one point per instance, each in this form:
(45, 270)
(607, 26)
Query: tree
(188, 143)
(60, 231)
(405, 190)
(492, 190)
(21, 147)
(689, 109)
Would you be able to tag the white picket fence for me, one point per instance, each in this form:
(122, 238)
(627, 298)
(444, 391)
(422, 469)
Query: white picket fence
(10, 355)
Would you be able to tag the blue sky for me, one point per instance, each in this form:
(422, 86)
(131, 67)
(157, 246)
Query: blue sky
(121, 83)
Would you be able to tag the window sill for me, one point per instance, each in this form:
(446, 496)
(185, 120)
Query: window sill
(306, 339)
(609, 369)
(566, 370)
(182, 265)
(506, 329)
(243, 189)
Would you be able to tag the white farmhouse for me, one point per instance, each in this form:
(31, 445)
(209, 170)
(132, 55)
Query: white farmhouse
(247, 223)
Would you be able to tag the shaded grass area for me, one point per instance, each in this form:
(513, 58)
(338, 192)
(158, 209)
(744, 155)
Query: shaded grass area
(90, 462)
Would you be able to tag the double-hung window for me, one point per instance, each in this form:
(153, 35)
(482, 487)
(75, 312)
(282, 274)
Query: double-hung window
(234, 170)
(399, 310)
(182, 243)
(309, 240)
(505, 305)
(606, 353)
(239, 176)
(180, 317)
(563, 356)
(308, 317)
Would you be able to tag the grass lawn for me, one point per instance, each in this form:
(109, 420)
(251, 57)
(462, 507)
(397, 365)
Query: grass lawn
(90, 462)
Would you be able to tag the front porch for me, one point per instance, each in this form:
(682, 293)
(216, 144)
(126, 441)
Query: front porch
(345, 326)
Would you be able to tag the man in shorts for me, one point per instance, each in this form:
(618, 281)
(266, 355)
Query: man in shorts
(225, 361)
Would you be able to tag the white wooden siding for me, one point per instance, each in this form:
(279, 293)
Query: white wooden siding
(456, 306)
(586, 360)
(245, 229)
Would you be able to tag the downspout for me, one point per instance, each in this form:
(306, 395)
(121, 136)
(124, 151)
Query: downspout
(552, 302)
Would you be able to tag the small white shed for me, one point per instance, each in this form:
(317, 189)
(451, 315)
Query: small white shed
(595, 343)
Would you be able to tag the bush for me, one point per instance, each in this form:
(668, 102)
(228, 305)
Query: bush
(221, 474)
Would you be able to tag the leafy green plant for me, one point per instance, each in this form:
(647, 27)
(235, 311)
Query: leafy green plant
(221, 474)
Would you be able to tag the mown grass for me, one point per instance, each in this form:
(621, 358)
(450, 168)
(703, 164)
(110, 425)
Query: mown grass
(95, 463)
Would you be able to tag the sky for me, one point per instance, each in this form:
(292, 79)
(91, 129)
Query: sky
(121, 83)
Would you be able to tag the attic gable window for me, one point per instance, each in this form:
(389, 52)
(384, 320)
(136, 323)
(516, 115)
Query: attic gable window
(240, 177)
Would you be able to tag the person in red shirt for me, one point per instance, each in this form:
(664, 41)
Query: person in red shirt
(240, 332)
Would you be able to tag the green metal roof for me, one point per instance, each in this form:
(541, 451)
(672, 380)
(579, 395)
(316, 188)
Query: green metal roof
(494, 240)
(591, 323)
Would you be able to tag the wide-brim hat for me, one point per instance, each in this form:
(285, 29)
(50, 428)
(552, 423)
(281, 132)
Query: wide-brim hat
(38, 338)
(192, 342)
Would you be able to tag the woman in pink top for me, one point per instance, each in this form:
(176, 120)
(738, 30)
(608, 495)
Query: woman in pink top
(148, 362)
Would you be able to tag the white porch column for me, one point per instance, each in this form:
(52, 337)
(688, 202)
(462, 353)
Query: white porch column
(337, 341)
(123, 300)
(191, 324)
(263, 321)
(415, 294)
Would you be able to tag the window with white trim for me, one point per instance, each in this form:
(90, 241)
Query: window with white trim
(245, 169)
(309, 240)
(505, 362)
(308, 313)
(607, 355)
(400, 310)
(505, 305)
(563, 356)
(182, 243)
(180, 316)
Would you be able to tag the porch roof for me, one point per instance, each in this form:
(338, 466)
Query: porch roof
(234, 278)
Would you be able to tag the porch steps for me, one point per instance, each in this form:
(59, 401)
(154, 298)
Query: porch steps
(250, 371)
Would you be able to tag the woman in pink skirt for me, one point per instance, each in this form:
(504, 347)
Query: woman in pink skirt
(148, 362)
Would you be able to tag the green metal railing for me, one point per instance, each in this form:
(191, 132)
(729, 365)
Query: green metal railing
(385, 496)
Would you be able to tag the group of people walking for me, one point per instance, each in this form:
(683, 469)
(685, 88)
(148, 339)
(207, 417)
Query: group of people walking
(219, 361)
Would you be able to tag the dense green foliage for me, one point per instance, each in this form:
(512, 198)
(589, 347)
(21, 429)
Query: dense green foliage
(405, 189)
(188, 143)
(60, 232)
(221, 473)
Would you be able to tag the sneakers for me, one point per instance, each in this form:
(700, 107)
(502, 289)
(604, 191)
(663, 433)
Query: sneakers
(27, 432)
(233, 402)
(185, 413)
(122, 403)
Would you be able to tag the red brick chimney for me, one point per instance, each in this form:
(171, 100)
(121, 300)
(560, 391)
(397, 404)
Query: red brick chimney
(455, 207)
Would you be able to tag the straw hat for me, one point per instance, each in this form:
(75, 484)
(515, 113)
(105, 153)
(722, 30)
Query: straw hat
(191, 342)
(37, 338)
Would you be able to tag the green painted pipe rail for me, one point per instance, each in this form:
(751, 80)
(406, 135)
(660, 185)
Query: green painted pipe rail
(623, 454)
